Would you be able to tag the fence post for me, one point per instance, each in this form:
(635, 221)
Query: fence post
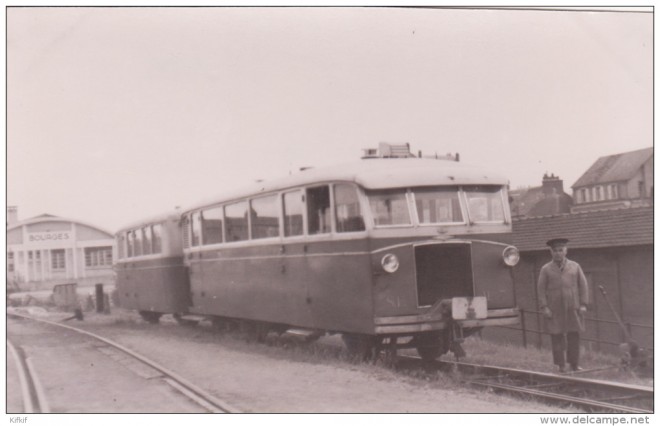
(99, 298)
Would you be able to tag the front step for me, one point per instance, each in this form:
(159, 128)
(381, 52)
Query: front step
(304, 333)
(192, 317)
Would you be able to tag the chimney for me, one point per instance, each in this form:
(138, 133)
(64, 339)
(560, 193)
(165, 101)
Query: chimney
(552, 185)
(12, 215)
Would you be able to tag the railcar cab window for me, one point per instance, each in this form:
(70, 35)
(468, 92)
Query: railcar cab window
(389, 207)
(347, 209)
(438, 205)
(212, 225)
(318, 210)
(293, 213)
(264, 217)
(236, 221)
(484, 203)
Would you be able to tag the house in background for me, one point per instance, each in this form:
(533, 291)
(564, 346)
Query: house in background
(545, 200)
(47, 250)
(616, 181)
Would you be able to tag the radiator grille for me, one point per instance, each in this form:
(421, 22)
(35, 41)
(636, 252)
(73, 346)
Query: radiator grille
(443, 271)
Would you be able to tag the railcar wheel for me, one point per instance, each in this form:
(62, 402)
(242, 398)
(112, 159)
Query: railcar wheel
(431, 346)
(254, 330)
(183, 321)
(360, 346)
(150, 317)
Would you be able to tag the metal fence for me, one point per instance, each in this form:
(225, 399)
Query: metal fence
(600, 344)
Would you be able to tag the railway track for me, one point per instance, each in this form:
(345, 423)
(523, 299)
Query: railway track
(32, 395)
(596, 396)
(35, 400)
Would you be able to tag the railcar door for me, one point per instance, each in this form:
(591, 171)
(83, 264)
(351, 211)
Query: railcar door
(337, 260)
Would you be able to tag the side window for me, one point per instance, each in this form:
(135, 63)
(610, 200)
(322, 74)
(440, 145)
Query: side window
(212, 225)
(137, 238)
(236, 222)
(196, 229)
(146, 240)
(186, 230)
(130, 244)
(347, 209)
(293, 213)
(120, 245)
(318, 210)
(156, 232)
(264, 219)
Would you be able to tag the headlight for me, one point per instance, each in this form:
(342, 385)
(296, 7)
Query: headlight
(511, 256)
(390, 263)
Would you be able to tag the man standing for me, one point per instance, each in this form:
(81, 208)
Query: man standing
(563, 298)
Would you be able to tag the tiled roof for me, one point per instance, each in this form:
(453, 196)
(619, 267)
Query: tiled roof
(615, 168)
(593, 229)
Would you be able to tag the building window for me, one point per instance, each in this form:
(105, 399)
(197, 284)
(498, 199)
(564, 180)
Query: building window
(579, 197)
(614, 189)
(10, 261)
(98, 257)
(587, 195)
(58, 260)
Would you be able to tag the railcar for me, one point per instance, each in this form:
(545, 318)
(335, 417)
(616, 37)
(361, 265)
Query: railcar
(151, 276)
(391, 251)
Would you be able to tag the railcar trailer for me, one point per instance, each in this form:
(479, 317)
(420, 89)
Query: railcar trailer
(151, 276)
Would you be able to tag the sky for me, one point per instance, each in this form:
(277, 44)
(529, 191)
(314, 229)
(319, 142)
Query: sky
(115, 114)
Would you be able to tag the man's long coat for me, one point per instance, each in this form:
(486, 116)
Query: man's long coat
(563, 289)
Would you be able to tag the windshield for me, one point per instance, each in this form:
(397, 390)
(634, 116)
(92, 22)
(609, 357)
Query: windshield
(389, 207)
(485, 203)
(439, 205)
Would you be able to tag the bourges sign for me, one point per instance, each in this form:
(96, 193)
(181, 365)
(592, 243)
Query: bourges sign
(55, 236)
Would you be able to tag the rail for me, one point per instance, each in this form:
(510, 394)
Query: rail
(203, 398)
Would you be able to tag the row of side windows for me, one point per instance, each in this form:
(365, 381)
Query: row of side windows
(260, 217)
(141, 241)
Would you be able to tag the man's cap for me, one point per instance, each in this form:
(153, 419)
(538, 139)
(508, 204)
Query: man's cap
(557, 241)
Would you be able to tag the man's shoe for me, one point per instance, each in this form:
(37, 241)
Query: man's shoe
(561, 369)
(576, 368)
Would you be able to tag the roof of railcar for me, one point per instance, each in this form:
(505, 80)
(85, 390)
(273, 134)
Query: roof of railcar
(376, 173)
(162, 217)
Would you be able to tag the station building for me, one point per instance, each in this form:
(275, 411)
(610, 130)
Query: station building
(47, 250)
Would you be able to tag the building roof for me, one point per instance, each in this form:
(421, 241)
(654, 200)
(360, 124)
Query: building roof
(551, 204)
(615, 168)
(592, 229)
(50, 218)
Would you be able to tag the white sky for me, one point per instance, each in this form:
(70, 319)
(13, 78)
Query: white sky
(115, 114)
